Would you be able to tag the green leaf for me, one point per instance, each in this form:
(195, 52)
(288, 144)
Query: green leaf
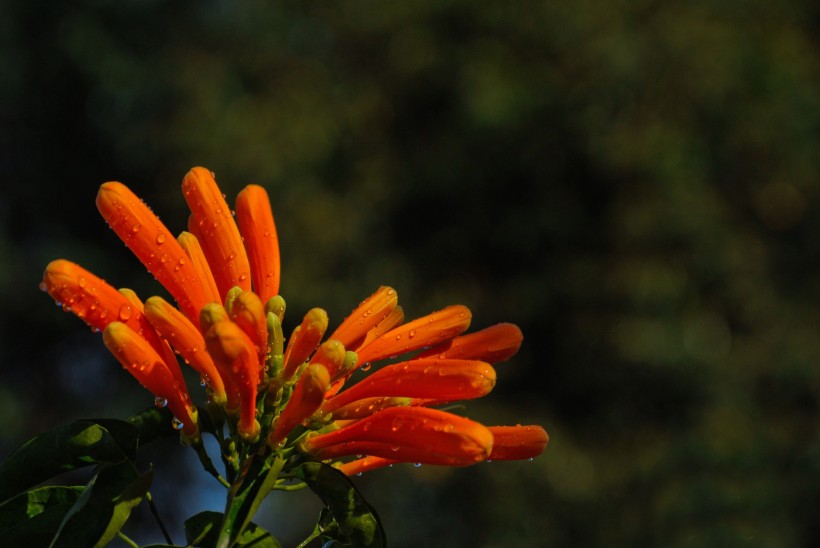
(153, 423)
(356, 523)
(203, 530)
(103, 507)
(32, 518)
(74, 445)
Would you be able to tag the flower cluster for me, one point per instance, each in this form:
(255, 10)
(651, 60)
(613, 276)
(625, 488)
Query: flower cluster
(297, 398)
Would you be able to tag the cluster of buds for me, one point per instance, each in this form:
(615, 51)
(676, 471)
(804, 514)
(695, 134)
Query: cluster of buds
(297, 395)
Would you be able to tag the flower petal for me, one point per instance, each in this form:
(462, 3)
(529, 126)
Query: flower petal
(255, 220)
(518, 442)
(445, 380)
(211, 214)
(150, 241)
(143, 362)
(423, 332)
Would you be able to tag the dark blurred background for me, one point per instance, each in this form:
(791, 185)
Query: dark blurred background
(634, 183)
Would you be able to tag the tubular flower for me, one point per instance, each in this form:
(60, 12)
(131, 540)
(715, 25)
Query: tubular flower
(188, 342)
(307, 396)
(210, 212)
(408, 434)
(143, 362)
(147, 237)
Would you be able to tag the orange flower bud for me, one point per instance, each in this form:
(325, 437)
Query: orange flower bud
(187, 340)
(494, 344)
(304, 340)
(151, 242)
(216, 226)
(366, 316)
(236, 354)
(248, 312)
(407, 434)
(143, 362)
(308, 395)
(518, 442)
(94, 301)
(420, 333)
(444, 380)
(331, 354)
(255, 220)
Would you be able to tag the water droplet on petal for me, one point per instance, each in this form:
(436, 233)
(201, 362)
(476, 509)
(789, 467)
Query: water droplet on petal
(176, 424)
(160, 402)
(160, 238)
(125, 312)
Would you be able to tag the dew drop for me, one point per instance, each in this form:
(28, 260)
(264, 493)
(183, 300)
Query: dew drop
(366, 367)
(176, 424)
(160, 238)
(125, 312)
(412, 333)
(43, 286)
(160, 402)
(359, 474)
(417, 464)
(81, 281)
(135, 228)
(243, 276)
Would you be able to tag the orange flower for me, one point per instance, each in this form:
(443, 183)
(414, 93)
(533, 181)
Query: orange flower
(143, 362)
(214, 221)
(420, 333)
(407, 434)
(443, 380)
(307, 396)
(98, 304)
(151, 242)
(304, 340)
(255, 219)
(235, 352)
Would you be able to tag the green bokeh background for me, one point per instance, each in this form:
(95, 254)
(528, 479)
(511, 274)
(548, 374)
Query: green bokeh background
(634, 183)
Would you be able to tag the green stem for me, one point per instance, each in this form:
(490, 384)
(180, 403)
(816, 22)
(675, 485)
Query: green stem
(155, 512)
(127, 540)
(294, 487)
(207, 464)
(315, 534)
(256, 479)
